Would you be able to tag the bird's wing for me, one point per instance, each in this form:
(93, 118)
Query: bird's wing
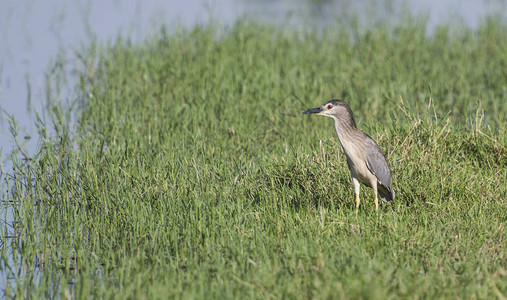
(377, 164)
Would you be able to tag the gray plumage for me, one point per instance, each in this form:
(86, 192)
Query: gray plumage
(365, 160)
(377, 164)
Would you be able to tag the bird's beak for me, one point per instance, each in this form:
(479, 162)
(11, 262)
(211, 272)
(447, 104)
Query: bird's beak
(313, 111)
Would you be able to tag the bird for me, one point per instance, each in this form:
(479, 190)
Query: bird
(367, 163)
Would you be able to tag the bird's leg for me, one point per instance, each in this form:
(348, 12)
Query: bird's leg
(355, 182)
(374, 185)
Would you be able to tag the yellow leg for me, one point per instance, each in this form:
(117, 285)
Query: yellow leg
(355, 182)
(374, 185)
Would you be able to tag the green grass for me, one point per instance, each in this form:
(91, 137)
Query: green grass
(192, 173)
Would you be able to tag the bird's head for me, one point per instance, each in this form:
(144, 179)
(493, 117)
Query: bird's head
(336, 109)
(333, 108)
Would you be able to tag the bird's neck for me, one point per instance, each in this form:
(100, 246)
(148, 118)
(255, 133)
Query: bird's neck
(348, 129)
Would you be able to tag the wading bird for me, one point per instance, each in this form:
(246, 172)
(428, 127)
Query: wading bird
(366, 161)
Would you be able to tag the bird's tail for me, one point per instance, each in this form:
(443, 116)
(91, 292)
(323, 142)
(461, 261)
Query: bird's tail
(387, 194)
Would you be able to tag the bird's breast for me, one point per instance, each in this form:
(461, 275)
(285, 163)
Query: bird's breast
(356, 161)
(353, 144)
(359, 170)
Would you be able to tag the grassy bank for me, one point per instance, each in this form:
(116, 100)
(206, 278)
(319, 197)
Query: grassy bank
(192, 173)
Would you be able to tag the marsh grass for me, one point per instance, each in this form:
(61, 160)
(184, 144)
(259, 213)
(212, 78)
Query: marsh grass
(192, 174)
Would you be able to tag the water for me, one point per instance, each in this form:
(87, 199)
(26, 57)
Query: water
(32, 33)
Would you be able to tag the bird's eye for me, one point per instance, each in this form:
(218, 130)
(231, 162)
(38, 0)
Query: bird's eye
(329, 106)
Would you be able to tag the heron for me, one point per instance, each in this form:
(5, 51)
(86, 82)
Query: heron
(367, 163)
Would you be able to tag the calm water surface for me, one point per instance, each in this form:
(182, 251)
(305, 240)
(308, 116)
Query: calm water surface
(33, 32)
